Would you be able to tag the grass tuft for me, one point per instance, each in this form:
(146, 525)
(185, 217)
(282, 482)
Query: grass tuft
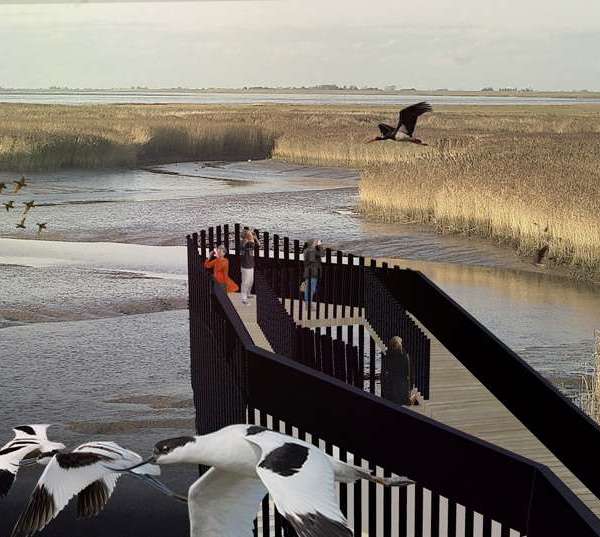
(590, 393)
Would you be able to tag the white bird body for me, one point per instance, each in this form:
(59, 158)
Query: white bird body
(248, 462)
(29, 441)
(89, 471)
(402, 137)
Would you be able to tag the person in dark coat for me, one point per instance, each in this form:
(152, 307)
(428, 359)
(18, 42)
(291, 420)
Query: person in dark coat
(249, 242)
(312, 268)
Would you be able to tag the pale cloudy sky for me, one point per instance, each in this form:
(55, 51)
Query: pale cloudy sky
(459, 44)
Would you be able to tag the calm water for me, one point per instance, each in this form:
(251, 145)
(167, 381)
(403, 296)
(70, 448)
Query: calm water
(148, 97)
(110, 272)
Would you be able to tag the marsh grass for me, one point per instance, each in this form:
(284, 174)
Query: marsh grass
(590, 393)
(500, 172)
(37, 137)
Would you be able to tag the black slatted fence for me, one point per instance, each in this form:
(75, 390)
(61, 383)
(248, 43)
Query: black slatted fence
(466, 485)
(388, 318)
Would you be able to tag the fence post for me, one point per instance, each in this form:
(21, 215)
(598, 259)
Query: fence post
(237, 240)
(395, 373)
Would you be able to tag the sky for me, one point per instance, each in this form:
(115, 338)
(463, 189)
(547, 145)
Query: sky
(456, 44)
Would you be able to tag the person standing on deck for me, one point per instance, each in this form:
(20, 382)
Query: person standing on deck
(312, 268)
(249, 242)
(220, 265)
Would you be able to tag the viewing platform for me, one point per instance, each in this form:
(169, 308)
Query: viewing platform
(494, 448)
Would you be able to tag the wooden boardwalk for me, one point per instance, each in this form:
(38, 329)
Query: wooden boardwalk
(459, 400)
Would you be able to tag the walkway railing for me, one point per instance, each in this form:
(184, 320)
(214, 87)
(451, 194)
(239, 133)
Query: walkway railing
(389, 318)
(462, 482)
(319, 351)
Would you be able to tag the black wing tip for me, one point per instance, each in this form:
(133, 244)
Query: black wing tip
(255, 429)
(27, 429)
(38, 513)
(6, 481)
(78, 459)
(286, 460)
(311, 524)
(92, 499)
(420, 108)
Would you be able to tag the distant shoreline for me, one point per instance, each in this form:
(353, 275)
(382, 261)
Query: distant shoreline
(303, 91)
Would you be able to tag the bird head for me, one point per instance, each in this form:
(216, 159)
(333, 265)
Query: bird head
(173, 450)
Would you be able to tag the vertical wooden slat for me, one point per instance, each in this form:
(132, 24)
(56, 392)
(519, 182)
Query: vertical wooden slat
(299, 277)
(266, 245)
(266, 521)
(361, 286)
(469, 522)
(357, 501)
(226, 236)
(202, 244)
(211, 238)
(352, 283)
(327, 355)
(435, 514)
(237, 239)
(361, 356)
(338, 285)
(372, 503)
(372, 350)
(328, 276)
(451, 518)
(387, 509)
(487, 527)
(402, 512)
(276, 249)
(418, 510)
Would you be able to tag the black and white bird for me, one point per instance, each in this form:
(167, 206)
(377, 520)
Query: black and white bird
(21, 224)
(89, 471)
(9, 205)
(2, 187)
(248, 462)
(42, 226)
(407, 121)
(30, 441)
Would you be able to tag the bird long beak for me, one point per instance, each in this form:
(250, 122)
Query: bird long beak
(160, 486)
(400, 481)
(150, 460)
(371, 141)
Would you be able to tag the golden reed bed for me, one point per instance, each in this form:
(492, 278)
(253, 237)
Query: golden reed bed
(507, 172)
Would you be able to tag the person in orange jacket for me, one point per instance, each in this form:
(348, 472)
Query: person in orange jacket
(220, 265)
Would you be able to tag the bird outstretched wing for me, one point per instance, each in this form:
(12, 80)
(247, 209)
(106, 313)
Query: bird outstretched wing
(386, 130)
(407, 118)
(301, 481)
(66, 475)
(26, 431)
(92, 499)
(224, 504)
(91, 469)
(26, 443)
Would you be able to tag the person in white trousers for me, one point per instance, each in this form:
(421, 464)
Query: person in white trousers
(249, 242)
